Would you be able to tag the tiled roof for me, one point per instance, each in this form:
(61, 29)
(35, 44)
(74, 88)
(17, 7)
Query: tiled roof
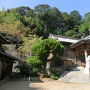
(2, 39)
(8, 57)
(81, 40)
(86, 38)
(64, 39)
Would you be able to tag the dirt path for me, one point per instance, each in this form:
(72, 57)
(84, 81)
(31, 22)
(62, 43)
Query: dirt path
(44, 85)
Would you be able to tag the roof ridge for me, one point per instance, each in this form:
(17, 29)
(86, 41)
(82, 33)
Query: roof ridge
(65, 37)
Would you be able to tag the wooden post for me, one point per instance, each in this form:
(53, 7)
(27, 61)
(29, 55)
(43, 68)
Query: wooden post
(86, 54)
(0, 68)
(76, 59)
(87, 62)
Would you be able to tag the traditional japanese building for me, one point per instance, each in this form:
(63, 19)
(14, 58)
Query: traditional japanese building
(6, 60)
(77, 51)
(82, 51)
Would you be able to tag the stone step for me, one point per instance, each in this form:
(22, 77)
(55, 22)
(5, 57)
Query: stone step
(75, 77)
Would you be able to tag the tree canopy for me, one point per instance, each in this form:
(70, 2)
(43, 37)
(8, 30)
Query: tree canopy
(43, 20)
(43, 48)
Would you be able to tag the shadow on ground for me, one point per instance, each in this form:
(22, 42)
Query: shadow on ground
(19, 85)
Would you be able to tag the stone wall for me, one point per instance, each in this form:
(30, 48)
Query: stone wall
(11, 49)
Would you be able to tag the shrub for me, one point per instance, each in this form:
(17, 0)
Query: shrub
(24, 68)
(54, 77)
(56, 72)
(35, 64)
(53, 71)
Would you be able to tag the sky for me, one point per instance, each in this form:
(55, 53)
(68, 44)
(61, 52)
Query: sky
(82, 6)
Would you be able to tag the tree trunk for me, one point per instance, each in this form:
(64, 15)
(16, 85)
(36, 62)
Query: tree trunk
(46, 71)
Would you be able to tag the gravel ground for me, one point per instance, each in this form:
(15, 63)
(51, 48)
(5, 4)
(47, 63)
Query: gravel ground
(45, 84)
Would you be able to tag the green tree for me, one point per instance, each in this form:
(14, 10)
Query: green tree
(84, 28)
(67, 23)
(86, 15)
(47, 20)
(42, 8)
(2, 16)
(31, 23)
(28, 42)
(43, 48)
(42, 19)
(30, 13)
(71, 33)
(22, 10)
(10, 18)
(75, 14)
